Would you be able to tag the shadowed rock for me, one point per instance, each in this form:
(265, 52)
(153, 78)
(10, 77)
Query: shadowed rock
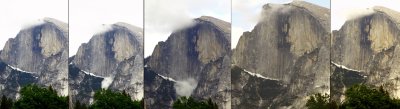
(201, 52)
(287, 46)
(370, 44)
(37, 55)
(112, 59)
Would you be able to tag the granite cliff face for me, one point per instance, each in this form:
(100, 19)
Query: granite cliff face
(112, 59)
(194, 61)
(366, 50)
(37, 55)
(284, 59)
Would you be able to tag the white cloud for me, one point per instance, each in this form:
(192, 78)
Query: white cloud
(106, 82)
(164, 16)
(88, 16)
(32, 24)
(185, 87)
(343, 10)
(18, 14)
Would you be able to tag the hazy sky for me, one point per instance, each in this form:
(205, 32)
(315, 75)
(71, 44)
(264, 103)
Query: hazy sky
(164, 16)
(344, 9)
(245, 14)
(86, 18)
(15, 14)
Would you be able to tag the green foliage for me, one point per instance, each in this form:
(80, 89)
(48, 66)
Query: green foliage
(190, 103)
(34, 97)
(364, 97)
(79, 105)
(357, 97)
(6, 103)
(107, 99)
(318, 101)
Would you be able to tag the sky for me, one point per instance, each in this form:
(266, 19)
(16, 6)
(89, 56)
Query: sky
(347, 9)
(87, 17)
(245, 14)
(17, 14)
(164, 16)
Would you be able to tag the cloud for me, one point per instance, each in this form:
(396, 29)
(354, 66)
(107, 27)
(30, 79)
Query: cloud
(31, 24)
(106, 82)
(343, 10)
(162, 17)
(102, 29)
(185, 87)
(357, 13)
(19, 14)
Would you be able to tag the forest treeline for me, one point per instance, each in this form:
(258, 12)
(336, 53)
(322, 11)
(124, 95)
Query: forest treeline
(356, 97)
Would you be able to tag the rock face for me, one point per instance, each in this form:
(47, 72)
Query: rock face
(369, 45)
(37, 55)
(284, 59)
(194, 61)
(112, 59)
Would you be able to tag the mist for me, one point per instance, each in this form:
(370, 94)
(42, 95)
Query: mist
(102, 29)
(31, 24)
(344, 10)
(106, 82)
(162, 17)
(185, 87)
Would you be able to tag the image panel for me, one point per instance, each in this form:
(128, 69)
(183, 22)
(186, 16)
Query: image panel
(106, 53)
(364, 53)
(187, 50)
(34, 53)
(281, 53)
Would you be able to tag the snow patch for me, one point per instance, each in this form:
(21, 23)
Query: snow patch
(91, 74)
(106, 82)
(18, 69)
(167, 78)
(258, 75)
(344, 67)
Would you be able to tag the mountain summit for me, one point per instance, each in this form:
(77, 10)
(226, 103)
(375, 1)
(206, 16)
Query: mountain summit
(37, 55)
(369, 45)
(284, 59)
(193, 61)
(112, 59)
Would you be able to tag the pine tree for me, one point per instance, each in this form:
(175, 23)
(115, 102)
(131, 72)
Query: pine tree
(6, 103)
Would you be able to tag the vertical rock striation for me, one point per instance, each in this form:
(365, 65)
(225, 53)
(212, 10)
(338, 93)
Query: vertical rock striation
(284, 59)
(37, 55)
(112, 59)
(369, 45)
(199, 56)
